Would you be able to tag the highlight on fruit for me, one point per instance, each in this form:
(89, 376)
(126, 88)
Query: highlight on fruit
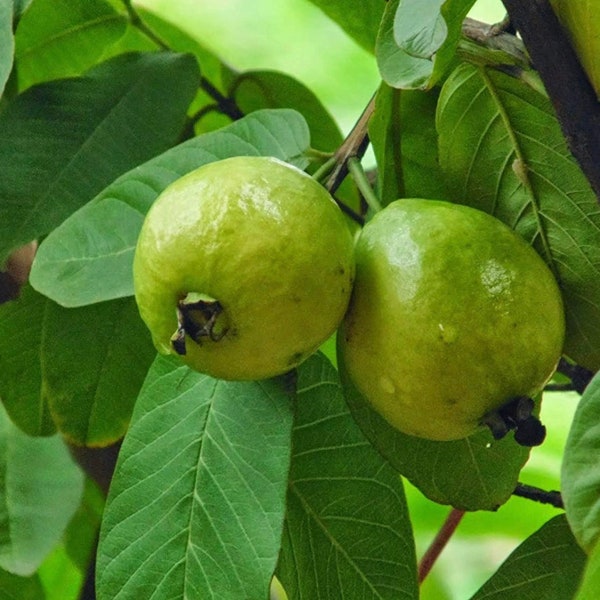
(243, 268)
(455, 323)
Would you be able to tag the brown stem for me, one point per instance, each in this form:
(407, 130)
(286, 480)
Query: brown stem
(568, 87)
(439, 543)
(354, 145)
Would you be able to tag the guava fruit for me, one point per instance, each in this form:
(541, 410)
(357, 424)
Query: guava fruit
(243, 268)
(454, 321)
(581, 19)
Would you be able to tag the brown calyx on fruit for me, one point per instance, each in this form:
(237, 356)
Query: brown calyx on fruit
(198, 316)
(517, 415)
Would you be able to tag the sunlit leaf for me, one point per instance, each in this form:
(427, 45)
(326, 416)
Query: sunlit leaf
(64, 38)
(40, 489)
(503, 152)
(64, 141)
(547, 565)
(347, 531)
(89, 257)
(197, 502)
(580, 474)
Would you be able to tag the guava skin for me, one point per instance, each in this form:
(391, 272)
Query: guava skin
(452, 315)
(264, 240)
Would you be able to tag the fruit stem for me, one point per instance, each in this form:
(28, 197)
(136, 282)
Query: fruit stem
(362, 182)
(439, 542)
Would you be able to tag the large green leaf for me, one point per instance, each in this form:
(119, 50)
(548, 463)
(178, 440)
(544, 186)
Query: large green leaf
(360, 20)
(385, 134)
(64, 141)
(402, 132)
(40, 489)
(64, 38)
(94, 361)
(89, 257)
(21, 382)
(580, 475)
(197, 503)
(590, 583)
(546, 566)
(347, 530)
(477, 473)
(417, 40)
(254, 90)
(503, 152)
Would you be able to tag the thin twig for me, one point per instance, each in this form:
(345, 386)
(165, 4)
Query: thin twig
(538, 495)
(568, 87)
(138, 23)
(440, 541)
(226, 105)
(355, 144)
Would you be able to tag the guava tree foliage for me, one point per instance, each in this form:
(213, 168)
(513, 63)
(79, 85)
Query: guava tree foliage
(236, 490)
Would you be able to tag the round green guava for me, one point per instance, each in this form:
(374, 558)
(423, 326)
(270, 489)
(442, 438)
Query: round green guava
(452, 316)
(243, 267)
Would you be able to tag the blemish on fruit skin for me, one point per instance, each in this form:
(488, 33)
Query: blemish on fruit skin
(387, 385)
(448, 333)
(296, 358)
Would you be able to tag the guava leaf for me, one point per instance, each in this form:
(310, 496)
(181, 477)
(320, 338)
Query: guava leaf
(347, 531)
(580, 475)
(417, 40)
(476, 473)
(65, 141)
(197, 502)
(547, 565)
(590, 583)
(64, 38)
(385, 135)
(360, 20)
(7, 43)
(94, 360)
(21, 382)
(404, 139)
(15, 587)
(40, 489)
(503, 152)
(254, 90)
(72, 263)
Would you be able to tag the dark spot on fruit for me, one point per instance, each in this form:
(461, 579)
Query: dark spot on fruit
(295, 358)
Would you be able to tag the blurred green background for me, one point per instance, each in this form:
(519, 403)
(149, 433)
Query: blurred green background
(296, 37)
